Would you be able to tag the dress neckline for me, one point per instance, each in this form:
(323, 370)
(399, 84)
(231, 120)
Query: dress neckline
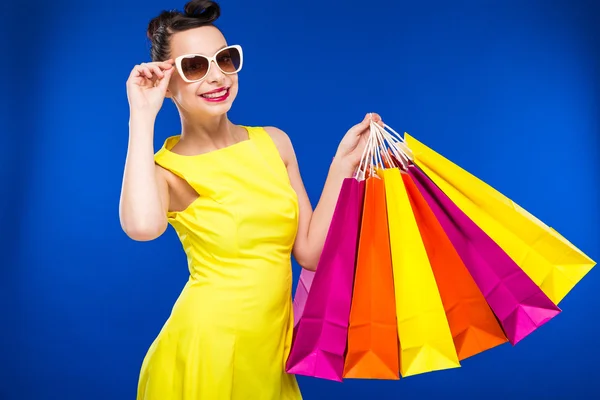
(171, 141)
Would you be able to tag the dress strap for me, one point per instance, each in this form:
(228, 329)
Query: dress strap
(269, 150)
(170, 161)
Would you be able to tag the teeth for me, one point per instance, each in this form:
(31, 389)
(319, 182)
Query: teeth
(214, 95)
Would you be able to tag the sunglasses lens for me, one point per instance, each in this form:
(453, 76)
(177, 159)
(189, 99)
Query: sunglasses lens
(194, 68)
(229, 60)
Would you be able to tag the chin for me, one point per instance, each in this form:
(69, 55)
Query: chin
(216, 110)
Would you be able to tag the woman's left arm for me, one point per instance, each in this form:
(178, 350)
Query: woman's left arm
(313, 226)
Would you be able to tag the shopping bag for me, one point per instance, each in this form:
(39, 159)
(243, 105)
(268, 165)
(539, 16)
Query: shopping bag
(372, 334)
(473, 325)
(425, 340)
(518, 303)
(550, 260)
(319, 343)
(302, 289)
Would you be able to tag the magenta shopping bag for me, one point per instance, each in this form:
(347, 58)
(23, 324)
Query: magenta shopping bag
(320, 337)
(519, 304)
(302, 290)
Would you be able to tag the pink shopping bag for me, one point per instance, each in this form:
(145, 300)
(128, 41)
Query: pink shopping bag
(302, 290)
(320, 337)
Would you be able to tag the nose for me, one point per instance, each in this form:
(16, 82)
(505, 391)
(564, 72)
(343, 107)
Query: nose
(214, 73)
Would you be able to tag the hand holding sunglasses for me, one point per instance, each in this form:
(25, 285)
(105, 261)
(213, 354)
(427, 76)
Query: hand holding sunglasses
(148, 82)
(147, 85)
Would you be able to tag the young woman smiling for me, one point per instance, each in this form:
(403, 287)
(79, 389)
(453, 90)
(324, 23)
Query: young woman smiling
(235, 197)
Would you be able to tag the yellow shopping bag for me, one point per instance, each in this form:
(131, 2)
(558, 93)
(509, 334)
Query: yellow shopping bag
(549, 259)
(426, 342)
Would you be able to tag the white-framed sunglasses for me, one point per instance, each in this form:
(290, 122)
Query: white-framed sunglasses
(195, 67)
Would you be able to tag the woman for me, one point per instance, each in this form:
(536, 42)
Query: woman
(235, 197)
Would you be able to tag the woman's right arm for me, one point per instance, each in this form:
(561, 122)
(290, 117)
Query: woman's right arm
(144, 193)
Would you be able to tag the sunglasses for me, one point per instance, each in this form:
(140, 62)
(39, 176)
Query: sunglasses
(195, 67)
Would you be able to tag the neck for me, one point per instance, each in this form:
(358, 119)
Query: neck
(214, 132)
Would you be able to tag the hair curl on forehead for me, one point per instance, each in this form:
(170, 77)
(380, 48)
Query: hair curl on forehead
(196, 13)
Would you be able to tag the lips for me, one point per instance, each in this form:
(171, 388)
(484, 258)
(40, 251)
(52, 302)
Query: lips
(216, 95)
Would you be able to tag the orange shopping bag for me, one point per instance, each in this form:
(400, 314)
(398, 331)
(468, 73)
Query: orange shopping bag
(373, 334)
(472, 322)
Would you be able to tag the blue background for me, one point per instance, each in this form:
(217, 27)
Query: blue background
(509, 90)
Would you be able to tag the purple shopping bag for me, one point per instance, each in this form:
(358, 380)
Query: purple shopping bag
(320, 337)
(518, 303)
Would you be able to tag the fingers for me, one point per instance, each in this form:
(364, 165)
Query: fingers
(164, 65)
(375, 118)
(164, 81)
(152, 70)
(371, 117)
(159, 68)
(363, 126)
(145, 71)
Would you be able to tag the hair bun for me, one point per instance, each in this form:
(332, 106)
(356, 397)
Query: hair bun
(205, 10)
(196, 13)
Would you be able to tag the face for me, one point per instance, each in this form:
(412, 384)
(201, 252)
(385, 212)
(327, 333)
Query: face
(214, 94)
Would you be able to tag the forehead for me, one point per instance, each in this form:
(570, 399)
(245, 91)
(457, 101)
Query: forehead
(206, 40)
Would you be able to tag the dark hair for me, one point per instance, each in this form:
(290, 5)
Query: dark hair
(196, 13)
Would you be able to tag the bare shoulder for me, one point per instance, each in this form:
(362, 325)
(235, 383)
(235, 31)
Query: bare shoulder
(283, 143)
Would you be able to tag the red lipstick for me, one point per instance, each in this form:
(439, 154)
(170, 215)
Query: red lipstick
(217, 95)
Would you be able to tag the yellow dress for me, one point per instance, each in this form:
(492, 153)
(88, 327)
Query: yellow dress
(230, 330)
